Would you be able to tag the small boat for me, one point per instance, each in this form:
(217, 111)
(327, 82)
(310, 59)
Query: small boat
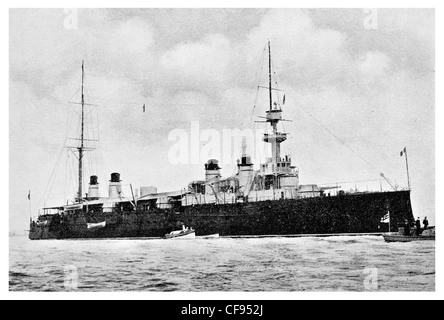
(42, 223)
(99, 225)
(211, 236)
(185, 233)
(427, 235)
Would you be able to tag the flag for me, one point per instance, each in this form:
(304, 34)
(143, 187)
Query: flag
(29, 195)
(283, 100)
(403, 151)
(144, 108)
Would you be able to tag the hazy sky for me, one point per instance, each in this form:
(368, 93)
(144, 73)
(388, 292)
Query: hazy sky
(373, 88)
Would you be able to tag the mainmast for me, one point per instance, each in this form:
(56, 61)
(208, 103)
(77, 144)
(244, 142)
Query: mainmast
(269, 76)
(273, 116)
(81, 148)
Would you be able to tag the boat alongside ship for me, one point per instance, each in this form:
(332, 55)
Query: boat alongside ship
(268, 201)
(401, 236)
(185, 233)
(96, 225)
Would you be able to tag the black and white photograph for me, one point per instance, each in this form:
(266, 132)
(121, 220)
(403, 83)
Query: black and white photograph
(242, 150)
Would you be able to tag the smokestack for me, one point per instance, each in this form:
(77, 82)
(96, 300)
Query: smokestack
(115, 187)
(93, 191)
(212, 175)
(115, 177)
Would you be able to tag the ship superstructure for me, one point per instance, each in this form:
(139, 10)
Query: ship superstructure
(277, 178)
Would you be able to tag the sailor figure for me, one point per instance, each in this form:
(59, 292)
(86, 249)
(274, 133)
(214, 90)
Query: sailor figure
(418, 227)
(425, 223)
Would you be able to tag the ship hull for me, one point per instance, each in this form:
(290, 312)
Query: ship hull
(348, 213)
(399, 238)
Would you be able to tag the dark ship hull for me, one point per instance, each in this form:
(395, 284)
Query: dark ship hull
(346, 213)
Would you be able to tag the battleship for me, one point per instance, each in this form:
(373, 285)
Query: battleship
(269, 201)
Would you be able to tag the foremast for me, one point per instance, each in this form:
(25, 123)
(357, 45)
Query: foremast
(81, 148)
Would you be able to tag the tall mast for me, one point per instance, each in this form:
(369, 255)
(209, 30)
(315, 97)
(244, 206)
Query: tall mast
(269, 76)
(80, 192)
(273, 116)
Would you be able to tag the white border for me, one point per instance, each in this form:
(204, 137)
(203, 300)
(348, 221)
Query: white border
(4, 225)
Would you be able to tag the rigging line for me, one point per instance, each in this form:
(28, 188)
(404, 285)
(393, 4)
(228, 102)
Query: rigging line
(99, 146)
(68, 123)
(78, 114)
(258, 81)
(71, 166)
(87, 167)
(258, 77)
(90, 118)
(88, 112)
(74, 172)
(54, 169)
(161, 102)
(52, 175)
(91, 163)
(65, 185)
(104, 164)
(66, 175)
(98, 151)
(283, 126)
(94, 153)
(277, 80)
(69, 173)
(357, 181)
(78, 127)
(88, 89)
(89, 131)
(259, 73)
(69, 182)
(69, 101)
(340, 140)
(92, 114)
(53, 181)
(267, 77)
(274, 68)
(114, 100)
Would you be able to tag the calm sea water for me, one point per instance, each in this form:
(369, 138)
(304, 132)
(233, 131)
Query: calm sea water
(271, 264)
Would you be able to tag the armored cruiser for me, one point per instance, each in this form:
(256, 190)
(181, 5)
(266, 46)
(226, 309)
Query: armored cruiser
(268, 201)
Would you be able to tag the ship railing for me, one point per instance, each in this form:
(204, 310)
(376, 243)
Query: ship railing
(202, 199)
